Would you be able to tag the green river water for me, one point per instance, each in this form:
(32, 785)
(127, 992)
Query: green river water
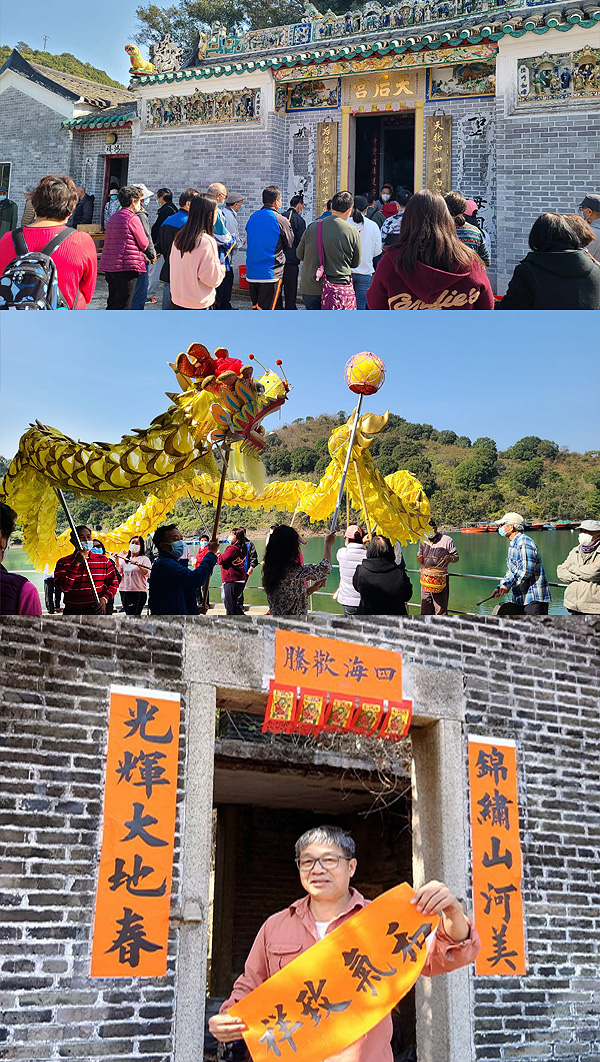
(483, 554)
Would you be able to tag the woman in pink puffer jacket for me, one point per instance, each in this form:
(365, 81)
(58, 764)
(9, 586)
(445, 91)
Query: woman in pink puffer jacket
(123, 255)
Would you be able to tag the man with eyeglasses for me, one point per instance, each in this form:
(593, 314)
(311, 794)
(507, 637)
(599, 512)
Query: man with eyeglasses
(326, 861)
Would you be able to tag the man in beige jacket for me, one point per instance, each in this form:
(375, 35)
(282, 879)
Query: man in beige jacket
(581, 570)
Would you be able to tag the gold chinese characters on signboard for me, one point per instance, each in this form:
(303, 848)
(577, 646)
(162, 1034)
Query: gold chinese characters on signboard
(327, 159)
(438, 152)
(384, 89)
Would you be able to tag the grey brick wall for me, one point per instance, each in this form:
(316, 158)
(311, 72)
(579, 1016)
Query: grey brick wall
(53, 747)
(33, 141)
(545, 162)
(534, 681)
(246, 159)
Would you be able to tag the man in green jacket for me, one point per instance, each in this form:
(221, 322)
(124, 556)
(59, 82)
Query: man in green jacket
(341, 249)
(8, 213)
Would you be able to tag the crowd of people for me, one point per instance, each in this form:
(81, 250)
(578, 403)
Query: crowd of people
(398, 251)
(173, 578)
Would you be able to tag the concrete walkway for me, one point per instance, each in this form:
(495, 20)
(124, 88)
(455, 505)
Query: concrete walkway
(240, 300)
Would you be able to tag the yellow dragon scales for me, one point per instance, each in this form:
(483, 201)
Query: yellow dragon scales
(220, 405)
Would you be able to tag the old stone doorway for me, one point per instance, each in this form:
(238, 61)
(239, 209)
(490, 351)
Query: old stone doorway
(265, 797)
(385, 151)
(116, 169)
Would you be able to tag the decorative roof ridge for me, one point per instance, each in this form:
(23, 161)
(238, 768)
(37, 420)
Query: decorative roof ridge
(493, 30)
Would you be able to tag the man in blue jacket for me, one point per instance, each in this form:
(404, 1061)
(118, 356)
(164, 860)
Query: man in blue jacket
(172, 587)
(269, 236)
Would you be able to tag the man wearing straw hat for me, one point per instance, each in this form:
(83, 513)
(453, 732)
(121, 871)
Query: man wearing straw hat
(435, 552)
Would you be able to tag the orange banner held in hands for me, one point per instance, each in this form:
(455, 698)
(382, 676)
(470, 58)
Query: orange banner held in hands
(131, 924)
(340, 988)
(497, 862)
(346, 667)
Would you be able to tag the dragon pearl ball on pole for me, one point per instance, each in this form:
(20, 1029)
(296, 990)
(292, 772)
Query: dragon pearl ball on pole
(364, 373)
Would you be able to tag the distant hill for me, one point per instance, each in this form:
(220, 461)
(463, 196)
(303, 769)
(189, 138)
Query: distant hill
(65, 62)
(465, 480)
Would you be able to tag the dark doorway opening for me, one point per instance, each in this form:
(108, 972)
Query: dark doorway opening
(385, 151)
(116, 169)
(260, 812)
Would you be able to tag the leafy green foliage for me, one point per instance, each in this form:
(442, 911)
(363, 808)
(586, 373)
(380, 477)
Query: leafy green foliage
(65, 62)
(447, 438)
(463, 441)
(303, 459)
(531, 446)
(527, 475)
(183, 20)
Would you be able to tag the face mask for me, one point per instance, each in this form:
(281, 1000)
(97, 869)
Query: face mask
(584, 539)
(134, 548)
(88, 544)
(231, 538)
(203, 543)
(2, 198)
(177, 549)
(146, 201)
(96, 549)
(385, 197)
(435, 536)
(113, 195)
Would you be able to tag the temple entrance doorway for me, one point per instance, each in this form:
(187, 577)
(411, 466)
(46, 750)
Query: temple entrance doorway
(116, 168)
(265, 797)
(385, 151)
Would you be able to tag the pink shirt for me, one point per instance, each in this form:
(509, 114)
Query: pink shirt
(196, 274)
(29, 602)
(135, 574)
(288, 933)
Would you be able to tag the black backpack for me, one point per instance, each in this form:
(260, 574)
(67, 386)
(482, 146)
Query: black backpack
(30, 281)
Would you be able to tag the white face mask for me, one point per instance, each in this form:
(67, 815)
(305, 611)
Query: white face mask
(134, 547)
(231, 538)
(385, 196)
(584, 539)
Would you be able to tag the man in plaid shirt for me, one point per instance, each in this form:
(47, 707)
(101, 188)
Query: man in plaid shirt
(525, 574)
(70, 575)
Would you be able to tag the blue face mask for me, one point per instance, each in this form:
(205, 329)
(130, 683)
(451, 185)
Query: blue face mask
(177, 549)
(502, 532)
(96, 549)
(2, 198)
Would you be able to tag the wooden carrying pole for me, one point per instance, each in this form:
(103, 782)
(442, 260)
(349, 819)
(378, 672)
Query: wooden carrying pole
(61, 498)
(346, 466)
(215, 530)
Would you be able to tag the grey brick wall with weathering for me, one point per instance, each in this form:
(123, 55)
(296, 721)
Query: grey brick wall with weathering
(534, 681)
(53, 750)
(49, 150)
(544, 162)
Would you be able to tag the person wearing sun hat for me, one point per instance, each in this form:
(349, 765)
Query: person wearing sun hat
(525, 575)
(589, 209)
(581, 570)
(352, 553)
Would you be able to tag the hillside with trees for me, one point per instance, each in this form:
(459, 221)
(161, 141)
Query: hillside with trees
(65, 62)
(466, 480)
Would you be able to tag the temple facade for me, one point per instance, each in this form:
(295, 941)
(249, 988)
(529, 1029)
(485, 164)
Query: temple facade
(500, 101)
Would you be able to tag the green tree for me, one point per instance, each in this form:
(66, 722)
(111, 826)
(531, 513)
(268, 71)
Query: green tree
(485, 443)
(463, 441)
(66, 62)
(386, 464)
(548, 449)
(303, 459)
(447, 438)
(528, 475)
(278, 462)
(405, 450)
(473, 472)
(592, 504)
(413, 431)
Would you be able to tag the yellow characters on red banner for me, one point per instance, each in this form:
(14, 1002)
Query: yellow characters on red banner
(342, 987)
(131, 924)
(497, 861)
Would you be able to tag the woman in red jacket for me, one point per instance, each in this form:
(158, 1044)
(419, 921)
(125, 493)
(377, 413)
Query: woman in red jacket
(233, 571)
(429, 268)
(124, 254)
(54, 200)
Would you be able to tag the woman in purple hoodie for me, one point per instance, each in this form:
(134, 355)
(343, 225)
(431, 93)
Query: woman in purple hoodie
(429, 268)
(124, 254)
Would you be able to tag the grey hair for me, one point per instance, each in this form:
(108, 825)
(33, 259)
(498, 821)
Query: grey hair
(327, 835)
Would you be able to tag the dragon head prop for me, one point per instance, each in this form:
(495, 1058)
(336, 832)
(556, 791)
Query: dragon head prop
(241, 403)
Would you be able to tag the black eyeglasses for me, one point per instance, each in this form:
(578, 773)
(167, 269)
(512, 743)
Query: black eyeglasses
(328, 862)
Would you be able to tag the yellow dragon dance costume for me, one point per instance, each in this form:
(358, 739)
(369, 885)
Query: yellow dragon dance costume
(220, 405)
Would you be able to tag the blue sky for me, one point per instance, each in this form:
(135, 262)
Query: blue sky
(95, 375)
(97, 35)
